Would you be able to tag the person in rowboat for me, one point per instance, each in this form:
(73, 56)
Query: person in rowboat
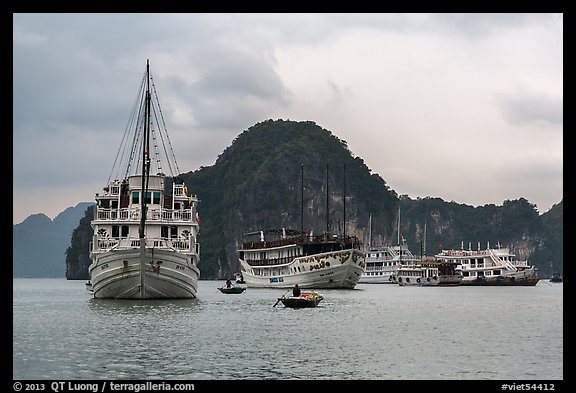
(296, 291)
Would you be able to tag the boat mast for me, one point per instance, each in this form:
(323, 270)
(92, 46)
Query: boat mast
(370, 231)
(344, 202)
(398, 223)
(302, 199)
(145, 174)
(424, 238)
(145, 156)
(399, 245)
(327, 206)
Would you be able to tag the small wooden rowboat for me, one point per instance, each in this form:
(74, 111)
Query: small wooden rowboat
(305, 300)
(232, 289)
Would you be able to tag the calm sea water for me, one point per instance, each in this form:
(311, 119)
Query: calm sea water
(382, 332)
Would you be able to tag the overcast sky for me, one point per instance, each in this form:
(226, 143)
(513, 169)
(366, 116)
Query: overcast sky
(464, 107)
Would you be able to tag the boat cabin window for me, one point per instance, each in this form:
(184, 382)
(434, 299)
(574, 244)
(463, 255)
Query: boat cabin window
(115, 204)
(156, 198)
(135, 197)
(148, 197)
(176, 205)
(125, 230)
(164, 231)
(105, 203)
(173, 231)
(115, 231)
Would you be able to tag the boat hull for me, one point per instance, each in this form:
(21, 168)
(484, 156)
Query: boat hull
(384, 278)
(151, 274)
(233, 290)
(502, 281)
(305, 300)
(449, 280)
(417, 281)
(337, 269)
(296, 302)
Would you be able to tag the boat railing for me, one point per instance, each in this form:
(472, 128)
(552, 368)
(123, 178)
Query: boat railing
(175, 244)
(133, 214)
(107, 244)
(181, 244)
(375, 269)
(351, 241)
(271, 261)
(501, 262)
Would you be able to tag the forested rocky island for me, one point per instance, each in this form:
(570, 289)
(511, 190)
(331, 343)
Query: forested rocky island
(256, 184)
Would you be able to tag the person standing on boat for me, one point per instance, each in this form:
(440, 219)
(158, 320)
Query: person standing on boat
(296, 291)
(228, 283)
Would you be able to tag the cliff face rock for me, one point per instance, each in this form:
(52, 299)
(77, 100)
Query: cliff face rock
(39, 243)
(256, 184)
(78, 254)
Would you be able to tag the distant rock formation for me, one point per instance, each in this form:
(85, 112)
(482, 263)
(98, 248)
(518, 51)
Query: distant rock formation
(39, 244)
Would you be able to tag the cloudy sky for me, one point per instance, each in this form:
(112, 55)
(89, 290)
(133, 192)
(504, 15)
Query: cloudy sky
(465, 107)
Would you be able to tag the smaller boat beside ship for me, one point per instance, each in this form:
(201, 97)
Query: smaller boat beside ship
(240, 279)
(490, 266)
(420, 273)
(556, 277)
(429, 272)
(232, 290)
(448, 275)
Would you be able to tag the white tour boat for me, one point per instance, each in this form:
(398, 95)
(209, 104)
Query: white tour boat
(491, 266)
(420, 273)
(283, 258)
(382, 263)
(144, 243)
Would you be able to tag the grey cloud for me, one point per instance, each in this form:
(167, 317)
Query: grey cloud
(523, 108)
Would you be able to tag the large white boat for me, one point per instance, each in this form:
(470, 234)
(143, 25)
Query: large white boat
(144, 243)
(382, 263)
(490, 266)
(283, 258)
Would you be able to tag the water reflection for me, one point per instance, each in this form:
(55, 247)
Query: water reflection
(142, 307)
